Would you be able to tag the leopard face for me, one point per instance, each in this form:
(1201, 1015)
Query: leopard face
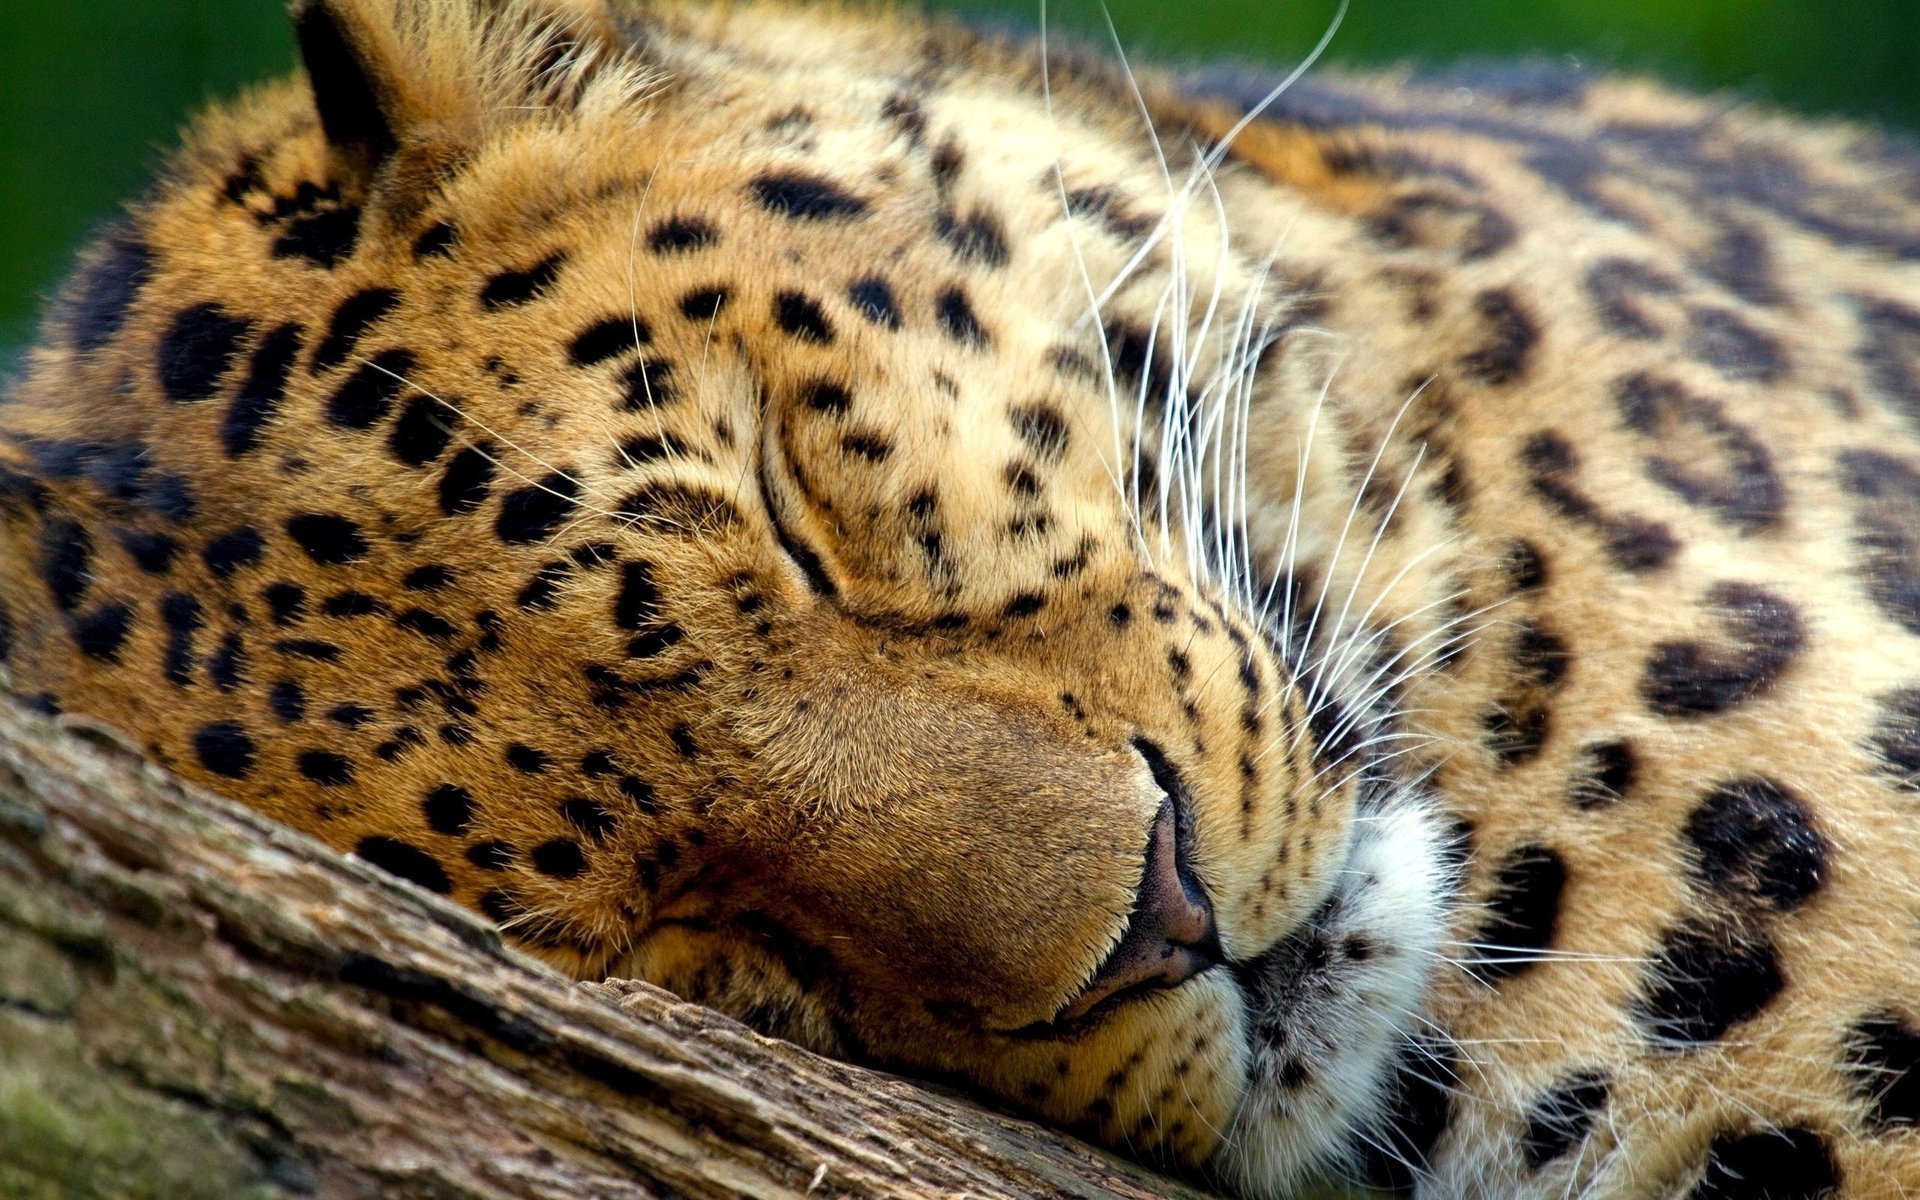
(696, 523)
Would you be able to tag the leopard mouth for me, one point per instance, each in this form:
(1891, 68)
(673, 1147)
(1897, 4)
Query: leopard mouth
(1335, 1033)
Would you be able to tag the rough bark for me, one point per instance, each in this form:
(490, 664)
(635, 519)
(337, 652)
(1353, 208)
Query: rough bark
(195, 1003)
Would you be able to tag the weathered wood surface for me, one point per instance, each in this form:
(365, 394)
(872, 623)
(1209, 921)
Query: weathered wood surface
(195, 1003)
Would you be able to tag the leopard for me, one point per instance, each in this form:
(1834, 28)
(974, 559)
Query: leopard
(1336, 628)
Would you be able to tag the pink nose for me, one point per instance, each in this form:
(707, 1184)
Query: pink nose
(1170, 936)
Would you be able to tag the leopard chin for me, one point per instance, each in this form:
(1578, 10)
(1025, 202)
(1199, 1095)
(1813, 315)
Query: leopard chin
(1343, 1065)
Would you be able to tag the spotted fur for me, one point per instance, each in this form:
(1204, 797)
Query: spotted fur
(1368, 630)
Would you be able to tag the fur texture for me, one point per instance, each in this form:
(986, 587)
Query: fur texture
(786, 503)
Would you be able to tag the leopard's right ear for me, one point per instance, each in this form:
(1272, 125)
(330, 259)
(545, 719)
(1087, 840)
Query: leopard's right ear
(358, 72)
(386, 71)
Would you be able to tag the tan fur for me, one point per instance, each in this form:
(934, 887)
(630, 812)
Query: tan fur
(1569, 509)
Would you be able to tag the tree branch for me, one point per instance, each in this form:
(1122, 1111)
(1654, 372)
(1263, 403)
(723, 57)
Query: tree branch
(196, 1003)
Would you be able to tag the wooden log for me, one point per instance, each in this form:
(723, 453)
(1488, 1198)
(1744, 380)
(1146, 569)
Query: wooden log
(196, 1003)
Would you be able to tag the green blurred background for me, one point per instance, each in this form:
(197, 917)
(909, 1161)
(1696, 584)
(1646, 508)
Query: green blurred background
(91, 91)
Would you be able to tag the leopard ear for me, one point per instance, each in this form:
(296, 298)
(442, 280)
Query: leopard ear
(358, 74)
(386, 71)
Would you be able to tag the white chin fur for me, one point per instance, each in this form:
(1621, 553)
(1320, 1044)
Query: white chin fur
(1328, 1024)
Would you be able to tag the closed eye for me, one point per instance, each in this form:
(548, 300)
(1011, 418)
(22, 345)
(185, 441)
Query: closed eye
(803, 556)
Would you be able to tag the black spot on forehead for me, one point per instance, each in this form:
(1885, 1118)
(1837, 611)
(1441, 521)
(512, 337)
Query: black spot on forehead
(288, 701)
(349, 604)
(649, 384)
(355, 316)
(225, 749)
(368, 394)
(510, 288)
(678, 235)
(491, 856)
(533, 514)
(802, 197)
(421, 434)
(1523, 911)
(326, 768)
(183, 617)
(108, 288)
(1783, 1163)
(312, 651)
(955, 314)
(467, 481)
(350, 716)
(676, 508)
(430, 578)
(560, 858)
(286, 602)
(1755, 842)
(544, 588)
(328, 539)
(265, 387)
(800, 317)
(825, 397)
(196, 351)
(655, 641)
(427, 624)
(704, 304)
(101, 633)
(589, 818)
(406, 861)
(151, 552)
(873, 300)
(1562, 1117)
(501, 905)
(170, 498)
(1883, 1060)
(608, 339)
(1764, 636)
(448, 809)
(638, 602)
(228, 666)
(66, 560)
(641, 449)
(527, 760)
(436, 241)
(1705, 978)
(322, 238)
